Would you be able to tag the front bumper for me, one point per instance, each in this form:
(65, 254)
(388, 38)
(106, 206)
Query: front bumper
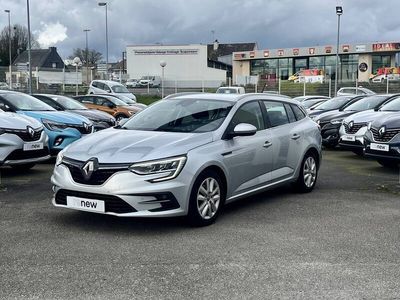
(66, 136)
(358, 137)
(126, 194)
(330, 134)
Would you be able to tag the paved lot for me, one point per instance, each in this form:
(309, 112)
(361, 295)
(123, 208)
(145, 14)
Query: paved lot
(341, 241)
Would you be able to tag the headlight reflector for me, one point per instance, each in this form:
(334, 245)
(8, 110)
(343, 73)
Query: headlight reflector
(336, 121)
(59, 159)
(54, 126)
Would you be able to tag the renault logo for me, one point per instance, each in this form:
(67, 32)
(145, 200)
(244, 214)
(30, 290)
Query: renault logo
(89, 167)
(382, 131)
(351, 124)
(31, 131)
(86, 126)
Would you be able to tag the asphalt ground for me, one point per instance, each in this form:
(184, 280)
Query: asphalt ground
(341, 241)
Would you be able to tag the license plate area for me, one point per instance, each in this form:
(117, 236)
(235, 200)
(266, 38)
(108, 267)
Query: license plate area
(85, 204)
(379, 147)
(348, 138)
(33, 146)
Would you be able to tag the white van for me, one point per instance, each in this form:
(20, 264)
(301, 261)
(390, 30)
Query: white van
(111, 87)
(231, 90)
(151, 81)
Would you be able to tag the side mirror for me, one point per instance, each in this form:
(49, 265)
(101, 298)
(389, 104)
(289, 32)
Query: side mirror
(244, 129)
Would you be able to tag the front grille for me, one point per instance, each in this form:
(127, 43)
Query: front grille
(98, 176)
(20, 154)
(112, 204)
(25, 135)
(386, 137)
(82, 129)
(356, 127)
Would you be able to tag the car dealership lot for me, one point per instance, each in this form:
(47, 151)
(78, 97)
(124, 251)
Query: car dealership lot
(340, 241)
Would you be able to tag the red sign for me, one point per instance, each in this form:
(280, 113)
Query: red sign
(296, 51)
(266, 53)
(345, 48)
(328, 49)
(386, 46)
(281, 52)
(311, 51)
(252, 54)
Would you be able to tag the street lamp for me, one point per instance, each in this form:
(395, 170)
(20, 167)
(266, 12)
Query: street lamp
(77, 63)
(162, 64)
(339, 12)
(87, 55)
(9, 44)
(29, 48)
(105, 5)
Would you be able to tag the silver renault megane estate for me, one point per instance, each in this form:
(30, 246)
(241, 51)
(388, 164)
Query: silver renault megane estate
(189, 155)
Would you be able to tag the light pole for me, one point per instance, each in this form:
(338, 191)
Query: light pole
(162, 64)
(339, 12)
(105, 4)
(87, 55)
(77, 62)
(29, 48)
(9, 44)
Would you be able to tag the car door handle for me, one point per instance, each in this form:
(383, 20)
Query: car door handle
(267, 144)
(295, 136)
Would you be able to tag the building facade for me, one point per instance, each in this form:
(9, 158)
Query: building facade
(356, 61)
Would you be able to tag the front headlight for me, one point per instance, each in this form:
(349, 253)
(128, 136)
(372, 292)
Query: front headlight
(59, 159)
(336, 121)
(167, 168)
(54, 126)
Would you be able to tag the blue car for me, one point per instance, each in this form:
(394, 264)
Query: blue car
(63, 128)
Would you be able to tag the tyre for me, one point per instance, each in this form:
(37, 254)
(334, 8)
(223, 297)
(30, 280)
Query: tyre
(23, 167)
(387, 163)
(308, 174)
(206, 199)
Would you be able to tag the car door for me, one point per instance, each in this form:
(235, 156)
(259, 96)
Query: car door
(284, 138)
(247, 158)
(88, 101)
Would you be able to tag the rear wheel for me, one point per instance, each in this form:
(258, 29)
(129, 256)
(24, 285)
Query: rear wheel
(23, 167)
(206, 199)
(308, 174)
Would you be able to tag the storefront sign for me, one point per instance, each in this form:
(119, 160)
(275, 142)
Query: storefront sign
(311, 51)
(361, 48)
(166, 52)
(363, 67)
(328, 49)
(266, 53)
(345, 48)
(281, 52)
(386, 47)
(239, 55)
(252, 54)
(296, 51)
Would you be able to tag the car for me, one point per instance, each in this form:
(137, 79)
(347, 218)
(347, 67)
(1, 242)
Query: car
(109, 87)
(272, 93)
(308, 98)
(188, 156)
(331, 121)
(333, 104)
(62, 128)
(311, 104)
(382, 140)
(4, 86)
(127, 100)
(100, 120)
(132, 83)
(23, 142)
(150, 81)
(345, 91)
(111, 105)
(231, 90)
(354, 127)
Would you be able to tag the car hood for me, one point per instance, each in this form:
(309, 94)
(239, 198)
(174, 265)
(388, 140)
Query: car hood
(129, 146)
(15, 121)
(56, 116)
(365, 116)
(316, 112)
(129, 95)
(391, 120)
(334, 114)
(140, 106)
(92, 114)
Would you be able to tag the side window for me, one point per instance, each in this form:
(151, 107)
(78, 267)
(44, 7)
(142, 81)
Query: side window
(4, 106)
(98, 100)
(290, 113)
(88, 100)
(95, 84)
(276, 113)
(249, 113)
(298, 112)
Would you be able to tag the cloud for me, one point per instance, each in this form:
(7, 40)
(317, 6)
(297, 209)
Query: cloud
(51, 34)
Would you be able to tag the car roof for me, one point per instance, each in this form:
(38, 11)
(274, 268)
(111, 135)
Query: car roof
(109, 82)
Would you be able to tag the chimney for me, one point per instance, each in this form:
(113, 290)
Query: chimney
(216, 45)
(53, 49)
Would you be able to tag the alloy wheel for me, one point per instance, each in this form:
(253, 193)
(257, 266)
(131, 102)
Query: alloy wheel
(208, 198)
(309, 171)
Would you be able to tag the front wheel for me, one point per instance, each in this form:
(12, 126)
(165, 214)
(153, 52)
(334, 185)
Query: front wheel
(206, 199)
(308, 174)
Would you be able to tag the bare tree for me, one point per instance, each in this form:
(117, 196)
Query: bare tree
(19, 43)
(93, 56)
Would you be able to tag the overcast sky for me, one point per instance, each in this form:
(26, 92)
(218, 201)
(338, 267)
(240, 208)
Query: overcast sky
(270, 23)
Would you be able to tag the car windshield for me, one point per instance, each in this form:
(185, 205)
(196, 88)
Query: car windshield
(334, 103)
(119, 89)
(366, 103)
(125, 99)
(26, 102)
(181, 115)
(393, 105)
(309, 103)
(68, 103)
(227, 91)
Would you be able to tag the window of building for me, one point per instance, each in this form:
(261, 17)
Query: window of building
(380, 61)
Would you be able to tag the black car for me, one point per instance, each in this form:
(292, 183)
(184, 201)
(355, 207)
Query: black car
(331, 121)
(333, 104)
(313, 102)
(100, 119)
(382, 140)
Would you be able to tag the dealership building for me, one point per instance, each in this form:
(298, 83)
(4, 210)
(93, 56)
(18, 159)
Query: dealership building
(193, 65)
(356, 61)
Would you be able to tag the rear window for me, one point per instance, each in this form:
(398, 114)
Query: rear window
(298, 112)
(276, 113)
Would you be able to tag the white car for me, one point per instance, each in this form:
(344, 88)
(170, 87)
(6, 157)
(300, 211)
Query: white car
(348, 91)
(23, 142)
(150, 81)
(110, 87)
(231, 90)
(132, 83)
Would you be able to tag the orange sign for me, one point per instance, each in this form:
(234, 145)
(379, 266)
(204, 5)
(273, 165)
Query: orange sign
(328, 49)
(386, 46)
(345, 48)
